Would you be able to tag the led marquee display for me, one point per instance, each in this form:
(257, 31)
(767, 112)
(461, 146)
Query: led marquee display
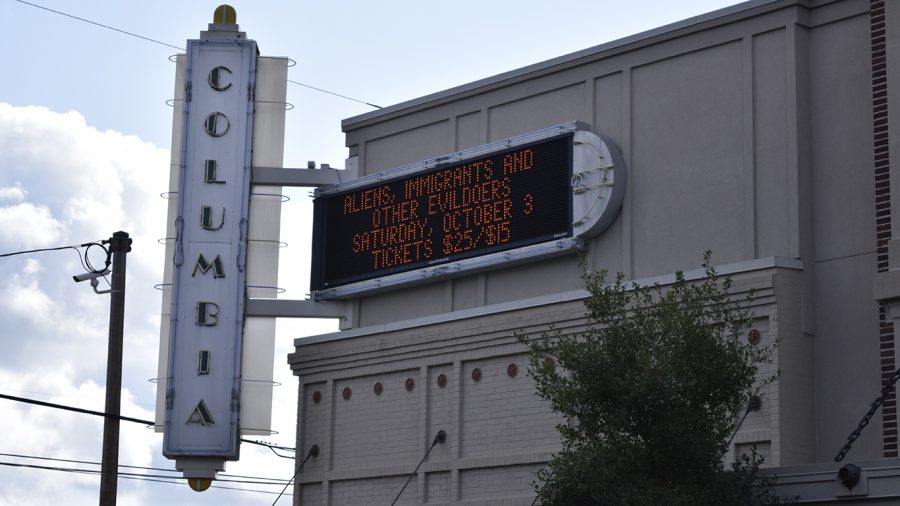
(507, 199)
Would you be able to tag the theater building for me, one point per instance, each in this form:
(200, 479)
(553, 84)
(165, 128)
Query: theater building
(760, 132)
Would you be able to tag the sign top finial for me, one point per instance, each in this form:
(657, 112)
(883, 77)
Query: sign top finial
(225, 15)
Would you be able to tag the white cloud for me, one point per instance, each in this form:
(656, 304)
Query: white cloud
(13, 193)
(25, 299)
(91, 181)
(32, 267)
(26, 225)
(64, 182)
(39, 431)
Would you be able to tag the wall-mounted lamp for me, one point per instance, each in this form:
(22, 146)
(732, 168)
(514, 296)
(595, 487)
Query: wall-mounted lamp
(849, 475)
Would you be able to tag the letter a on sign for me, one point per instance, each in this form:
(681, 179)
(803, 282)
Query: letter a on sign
(201, 415)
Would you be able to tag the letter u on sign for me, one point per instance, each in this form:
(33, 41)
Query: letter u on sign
(206, 218)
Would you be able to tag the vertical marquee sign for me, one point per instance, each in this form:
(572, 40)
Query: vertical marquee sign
(204, 372)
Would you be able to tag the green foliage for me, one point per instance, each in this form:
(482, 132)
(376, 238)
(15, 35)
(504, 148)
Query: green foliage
(650, 391)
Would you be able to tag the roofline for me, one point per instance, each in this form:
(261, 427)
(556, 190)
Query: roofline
(355, 121)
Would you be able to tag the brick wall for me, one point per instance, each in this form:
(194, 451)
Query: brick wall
(374, 402)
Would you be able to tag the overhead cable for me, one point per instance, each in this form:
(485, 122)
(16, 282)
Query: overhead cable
(100, 25)
(226, 477)
(71, 408)
(39, 250)
(141, 477)
(313, 452)
(120, 417)
(439, 438)
(335, 94)
(149, 39)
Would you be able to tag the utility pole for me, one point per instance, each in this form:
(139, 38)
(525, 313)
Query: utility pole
(119, 245)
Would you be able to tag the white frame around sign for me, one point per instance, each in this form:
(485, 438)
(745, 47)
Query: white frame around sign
(598, 186)
(202, 409)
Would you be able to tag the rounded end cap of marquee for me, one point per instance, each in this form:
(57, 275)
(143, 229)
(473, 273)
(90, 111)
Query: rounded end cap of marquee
(199, 484)
(225, 15)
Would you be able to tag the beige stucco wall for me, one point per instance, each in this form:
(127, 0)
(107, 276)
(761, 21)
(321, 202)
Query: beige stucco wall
(747, 132)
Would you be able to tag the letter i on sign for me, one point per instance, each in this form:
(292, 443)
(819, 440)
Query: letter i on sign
(203, 359)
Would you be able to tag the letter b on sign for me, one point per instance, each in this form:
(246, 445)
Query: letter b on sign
(207, 314)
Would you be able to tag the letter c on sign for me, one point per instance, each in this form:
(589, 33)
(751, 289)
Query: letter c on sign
(218, 80)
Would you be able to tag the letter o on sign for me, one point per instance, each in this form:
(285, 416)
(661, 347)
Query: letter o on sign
(217, 124)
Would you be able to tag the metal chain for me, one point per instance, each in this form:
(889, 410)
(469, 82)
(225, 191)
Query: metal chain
(885, 391)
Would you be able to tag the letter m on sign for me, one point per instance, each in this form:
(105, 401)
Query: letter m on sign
(204, 266)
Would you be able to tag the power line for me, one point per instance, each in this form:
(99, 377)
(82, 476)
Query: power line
(335, 94)
(313, 452)
(71, 461)
(269, 445)
(141, 477)
(39, 250)
(138, 476)
(71, 408)
(149, 39)
(120, 417)
(439, 438)
(261, 480)
(83, 258)
(100, 25)
(35, 392)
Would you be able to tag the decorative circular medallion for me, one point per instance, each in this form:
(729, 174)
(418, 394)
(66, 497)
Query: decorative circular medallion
(755, 403)
(598, 184)
(753, 337)
(442, 380)
(410, 384)
(378, 388)
(346, 393)
(317, 397)
(476, 374)
(512, 370)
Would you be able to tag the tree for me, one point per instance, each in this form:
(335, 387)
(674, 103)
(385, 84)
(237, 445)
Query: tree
(651, 393)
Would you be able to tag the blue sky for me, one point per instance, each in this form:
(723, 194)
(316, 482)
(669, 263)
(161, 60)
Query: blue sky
(84, 140)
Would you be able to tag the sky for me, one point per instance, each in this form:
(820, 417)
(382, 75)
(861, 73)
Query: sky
(84, 152)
